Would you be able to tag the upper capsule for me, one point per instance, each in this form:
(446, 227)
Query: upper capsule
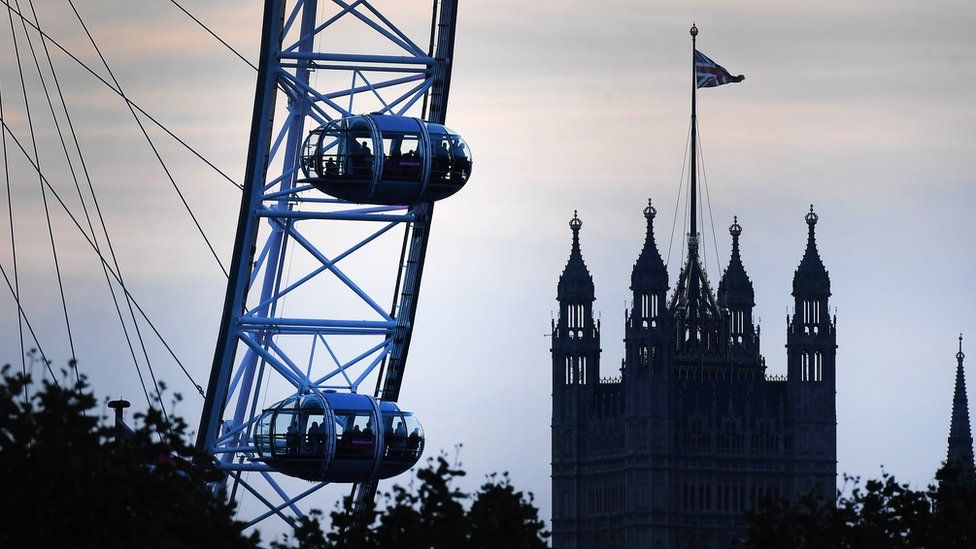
(382, 159)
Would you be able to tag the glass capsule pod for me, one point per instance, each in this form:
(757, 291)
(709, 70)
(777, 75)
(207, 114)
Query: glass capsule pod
(333, 437)
(382, 159)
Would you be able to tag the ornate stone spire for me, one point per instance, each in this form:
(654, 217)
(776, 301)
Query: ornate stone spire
(960, 437)
(575, 283)
(735, 289)
(649, 271)
(811, 276)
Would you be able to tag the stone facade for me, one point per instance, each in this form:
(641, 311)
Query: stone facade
(693, 432)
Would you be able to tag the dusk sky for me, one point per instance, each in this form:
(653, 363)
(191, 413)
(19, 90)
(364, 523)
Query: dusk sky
(864, 109)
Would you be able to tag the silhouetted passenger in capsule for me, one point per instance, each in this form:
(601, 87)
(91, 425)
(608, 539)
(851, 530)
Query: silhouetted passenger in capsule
(413, 441)
(359, 154)
(460, 166)
(397, 445)
(312, 439)
(331, 168)
(291, 438)
(320, 436)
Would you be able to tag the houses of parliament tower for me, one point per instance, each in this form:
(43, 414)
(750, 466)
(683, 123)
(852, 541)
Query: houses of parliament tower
(694, 431)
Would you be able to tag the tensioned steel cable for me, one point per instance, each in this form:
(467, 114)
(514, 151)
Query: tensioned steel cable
(677, 198)
(22, 313)
(81, 197)
(51, 106)
(37, 161)
(711, 218)
(13, 250)
(134, 105)
(685, 210)
(101, 257)
(214, 34)
(149, 140)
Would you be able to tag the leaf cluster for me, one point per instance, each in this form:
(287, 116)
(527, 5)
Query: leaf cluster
(881, 513)
(67, 482)
(431, 512)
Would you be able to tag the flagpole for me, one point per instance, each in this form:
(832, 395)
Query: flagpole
(693, 234)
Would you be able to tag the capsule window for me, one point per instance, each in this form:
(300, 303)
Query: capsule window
(451, 157)
(406, 439)
(403, 157)
(284, 440)
(295, 429)
(355, 435)
(343, 149)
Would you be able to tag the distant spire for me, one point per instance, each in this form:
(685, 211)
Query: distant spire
(649, 271)
(811, 276)
(960, 437)
(576, 283)
(735, 288)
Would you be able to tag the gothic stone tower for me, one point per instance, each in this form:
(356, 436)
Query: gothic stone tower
(693, 431)
(575, 365)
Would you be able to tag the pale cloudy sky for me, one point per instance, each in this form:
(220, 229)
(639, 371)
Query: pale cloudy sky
(865, 109)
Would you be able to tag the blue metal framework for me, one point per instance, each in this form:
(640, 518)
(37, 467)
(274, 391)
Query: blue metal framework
(335, 333)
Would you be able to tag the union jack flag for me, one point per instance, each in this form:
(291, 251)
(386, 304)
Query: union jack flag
(709, 74)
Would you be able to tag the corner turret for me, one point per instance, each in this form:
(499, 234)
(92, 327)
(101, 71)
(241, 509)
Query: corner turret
(649, 271)
(737, 295)
(576, 284)
(649, 280)
(811, 279)
(575, 335)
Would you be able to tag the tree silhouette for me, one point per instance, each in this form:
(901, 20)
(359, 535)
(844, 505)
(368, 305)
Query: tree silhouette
(66, 483)
(882, 513)
(430, 513)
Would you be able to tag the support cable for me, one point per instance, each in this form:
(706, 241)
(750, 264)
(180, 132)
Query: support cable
(142, 111)
(101, 257)
(23, 314)
(677, 198)
(84, 205)
(711, 218)
(47, 212)
(701, 215)
(212, 33)
(13, 249)
(149, 140)
(686, 209)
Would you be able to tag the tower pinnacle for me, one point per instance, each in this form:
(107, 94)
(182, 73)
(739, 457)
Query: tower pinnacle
(960, 452)
(575, 223)
(649, 273)
(812, 217)
(735, 288)
(735, 230)
(576, 282)
(650, 211)
(811, 278)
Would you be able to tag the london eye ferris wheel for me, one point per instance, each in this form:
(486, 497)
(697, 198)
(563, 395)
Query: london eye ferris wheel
(348, 153)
